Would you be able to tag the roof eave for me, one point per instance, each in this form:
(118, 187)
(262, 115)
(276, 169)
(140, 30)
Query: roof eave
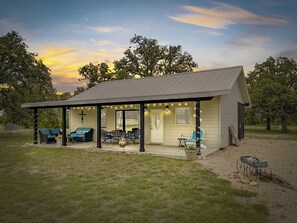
(145, 99)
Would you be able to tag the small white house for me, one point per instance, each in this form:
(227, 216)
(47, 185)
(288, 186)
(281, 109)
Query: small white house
(163, 107)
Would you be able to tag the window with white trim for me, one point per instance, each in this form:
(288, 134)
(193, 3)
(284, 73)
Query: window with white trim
(182, 115)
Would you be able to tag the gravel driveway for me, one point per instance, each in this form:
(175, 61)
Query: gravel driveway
(281, 155)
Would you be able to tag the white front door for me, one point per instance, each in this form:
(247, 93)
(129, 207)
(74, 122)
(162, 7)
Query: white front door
(157, 126)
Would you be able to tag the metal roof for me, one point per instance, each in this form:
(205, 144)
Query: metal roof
(180, 86)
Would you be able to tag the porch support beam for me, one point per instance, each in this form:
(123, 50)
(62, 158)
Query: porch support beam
(99, 144)
(64, 139)
(35, 123)
(141, 149)
(198, 128)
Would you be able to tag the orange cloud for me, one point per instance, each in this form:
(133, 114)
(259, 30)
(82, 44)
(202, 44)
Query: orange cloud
(223, 15)
(65, 61)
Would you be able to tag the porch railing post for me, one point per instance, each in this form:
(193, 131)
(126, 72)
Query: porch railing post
(99, 126)
(35, 124)
(64, 140)
(198, 128)
(141, 149)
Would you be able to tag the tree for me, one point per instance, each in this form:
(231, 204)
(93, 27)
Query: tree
(79, 90)
(94, 74)
(145, 57)
(272, 85)
(23, 78)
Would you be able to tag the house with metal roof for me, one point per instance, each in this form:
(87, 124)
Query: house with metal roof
(164, 108)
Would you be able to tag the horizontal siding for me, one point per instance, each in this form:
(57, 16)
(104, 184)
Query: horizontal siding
(90, 120)
(229, 112)
(210, 122)
(172, 131)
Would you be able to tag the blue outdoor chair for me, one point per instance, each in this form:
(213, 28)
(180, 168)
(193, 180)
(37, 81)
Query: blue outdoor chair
(46, 136)
(193, 139)
(55, 131)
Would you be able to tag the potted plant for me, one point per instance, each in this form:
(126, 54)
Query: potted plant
(59, 140)
(191, 152)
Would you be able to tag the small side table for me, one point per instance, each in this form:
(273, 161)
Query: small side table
(69, 138)
(182, 142)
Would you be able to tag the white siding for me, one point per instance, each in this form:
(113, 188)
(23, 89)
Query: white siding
(209, 122)
(229, 112)
(90, 120)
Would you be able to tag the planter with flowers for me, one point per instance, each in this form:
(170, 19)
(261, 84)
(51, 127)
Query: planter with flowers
(191, 152)
(59, 140)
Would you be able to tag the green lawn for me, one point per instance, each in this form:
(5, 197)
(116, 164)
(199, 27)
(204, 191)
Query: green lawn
(66, 185)
(254, 131)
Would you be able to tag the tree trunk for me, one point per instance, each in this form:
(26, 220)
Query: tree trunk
(268, 123)
(284, 125)
(284, 119)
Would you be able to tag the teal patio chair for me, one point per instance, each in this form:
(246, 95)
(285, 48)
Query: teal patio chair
(193, 139)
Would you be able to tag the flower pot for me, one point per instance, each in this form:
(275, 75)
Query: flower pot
(59, 142)
(191, 154)
(122, 143)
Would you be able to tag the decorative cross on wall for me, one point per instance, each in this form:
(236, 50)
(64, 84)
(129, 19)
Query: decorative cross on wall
(82, 116)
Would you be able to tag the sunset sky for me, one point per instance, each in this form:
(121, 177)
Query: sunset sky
(68, 34)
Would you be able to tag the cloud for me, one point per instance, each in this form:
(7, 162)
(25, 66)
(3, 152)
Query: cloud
(207, 32)
(107, 29)
(252, 42)
(222, 15)
(4, 21)
(65, 58)
(102, 42)
(292, 53)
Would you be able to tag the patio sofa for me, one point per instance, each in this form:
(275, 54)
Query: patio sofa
(46, 136)
(55, 131)
(82, 134)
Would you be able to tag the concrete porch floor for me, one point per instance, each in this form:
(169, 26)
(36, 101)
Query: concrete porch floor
(158, 150)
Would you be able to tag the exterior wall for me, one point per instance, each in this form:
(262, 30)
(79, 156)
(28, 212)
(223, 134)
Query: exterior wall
(172, 131)
(209, 121)
(90, 119)
(229, 112)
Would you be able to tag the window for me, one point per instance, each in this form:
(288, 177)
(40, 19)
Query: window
(182, 115)
(126, 120)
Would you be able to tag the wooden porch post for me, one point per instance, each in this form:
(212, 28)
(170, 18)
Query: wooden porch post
(141, 149)
(64, 127)
(35, 122)
(198, 128)
(99, 126)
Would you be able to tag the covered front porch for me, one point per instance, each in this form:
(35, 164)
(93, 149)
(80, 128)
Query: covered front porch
(93, 118)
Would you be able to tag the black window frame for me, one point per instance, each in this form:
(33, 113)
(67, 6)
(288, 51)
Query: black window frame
(124, 118)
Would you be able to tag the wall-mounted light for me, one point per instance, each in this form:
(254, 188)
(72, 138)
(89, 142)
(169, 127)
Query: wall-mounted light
(166, 108)
(145, 109)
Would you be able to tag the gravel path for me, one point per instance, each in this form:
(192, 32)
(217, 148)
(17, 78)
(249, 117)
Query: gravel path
(282, 158)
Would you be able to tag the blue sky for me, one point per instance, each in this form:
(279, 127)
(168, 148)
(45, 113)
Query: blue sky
(69, 34)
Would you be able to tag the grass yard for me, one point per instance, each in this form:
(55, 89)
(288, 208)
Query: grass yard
(255, 131)
(66, 185)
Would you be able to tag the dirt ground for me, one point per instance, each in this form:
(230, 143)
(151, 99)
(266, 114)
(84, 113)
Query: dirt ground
(281, 155)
